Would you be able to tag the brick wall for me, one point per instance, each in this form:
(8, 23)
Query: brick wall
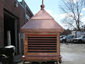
(1, 24)
(16, 11)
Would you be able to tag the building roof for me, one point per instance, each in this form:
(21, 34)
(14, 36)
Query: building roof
(42, 22)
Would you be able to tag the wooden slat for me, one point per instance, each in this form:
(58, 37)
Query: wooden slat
(42, 50)
(40, 38)
(43, 45)
(43, 41)
(42, 35)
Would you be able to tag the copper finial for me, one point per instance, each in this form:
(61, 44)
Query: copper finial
(42, 1)
(42, 6)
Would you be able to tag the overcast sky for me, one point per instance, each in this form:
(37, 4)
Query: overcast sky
(52, 7)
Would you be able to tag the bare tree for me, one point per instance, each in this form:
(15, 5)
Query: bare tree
(73, 9)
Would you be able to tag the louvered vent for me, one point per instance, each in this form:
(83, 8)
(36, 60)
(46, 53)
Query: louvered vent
(42, 44)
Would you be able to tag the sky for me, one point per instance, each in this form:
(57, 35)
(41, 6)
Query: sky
(52, 7)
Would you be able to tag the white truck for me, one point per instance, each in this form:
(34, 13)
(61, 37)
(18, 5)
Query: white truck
(79, 39)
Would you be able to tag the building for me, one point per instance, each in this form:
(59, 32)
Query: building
(13, 15)
(78, 33)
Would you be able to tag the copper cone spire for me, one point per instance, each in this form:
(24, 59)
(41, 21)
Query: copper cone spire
(42, 6)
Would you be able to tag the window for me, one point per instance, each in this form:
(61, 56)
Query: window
(16, 3)
(27, 17)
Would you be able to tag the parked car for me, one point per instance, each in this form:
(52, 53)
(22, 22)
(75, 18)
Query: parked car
(79, 39)
(69, 38)
(63, 39)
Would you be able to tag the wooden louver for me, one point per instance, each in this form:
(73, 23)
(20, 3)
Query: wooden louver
(42, 44)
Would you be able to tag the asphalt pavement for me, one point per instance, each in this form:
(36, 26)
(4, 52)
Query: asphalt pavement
(73, 53)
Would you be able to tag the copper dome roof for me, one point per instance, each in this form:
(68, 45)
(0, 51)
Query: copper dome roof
(42, 22)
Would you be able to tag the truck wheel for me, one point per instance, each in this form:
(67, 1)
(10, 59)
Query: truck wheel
(43, 63)
(80, 41)
(25, 62)
(60, 61)
(55, 62)
(63, 41)
(35, 63)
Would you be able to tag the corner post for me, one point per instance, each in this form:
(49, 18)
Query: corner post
(58, 44)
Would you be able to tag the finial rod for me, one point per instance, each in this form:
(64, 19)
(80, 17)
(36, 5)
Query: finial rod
(42, 6)
(42, 1)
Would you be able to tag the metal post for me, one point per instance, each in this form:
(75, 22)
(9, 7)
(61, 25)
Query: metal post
(9, 38)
